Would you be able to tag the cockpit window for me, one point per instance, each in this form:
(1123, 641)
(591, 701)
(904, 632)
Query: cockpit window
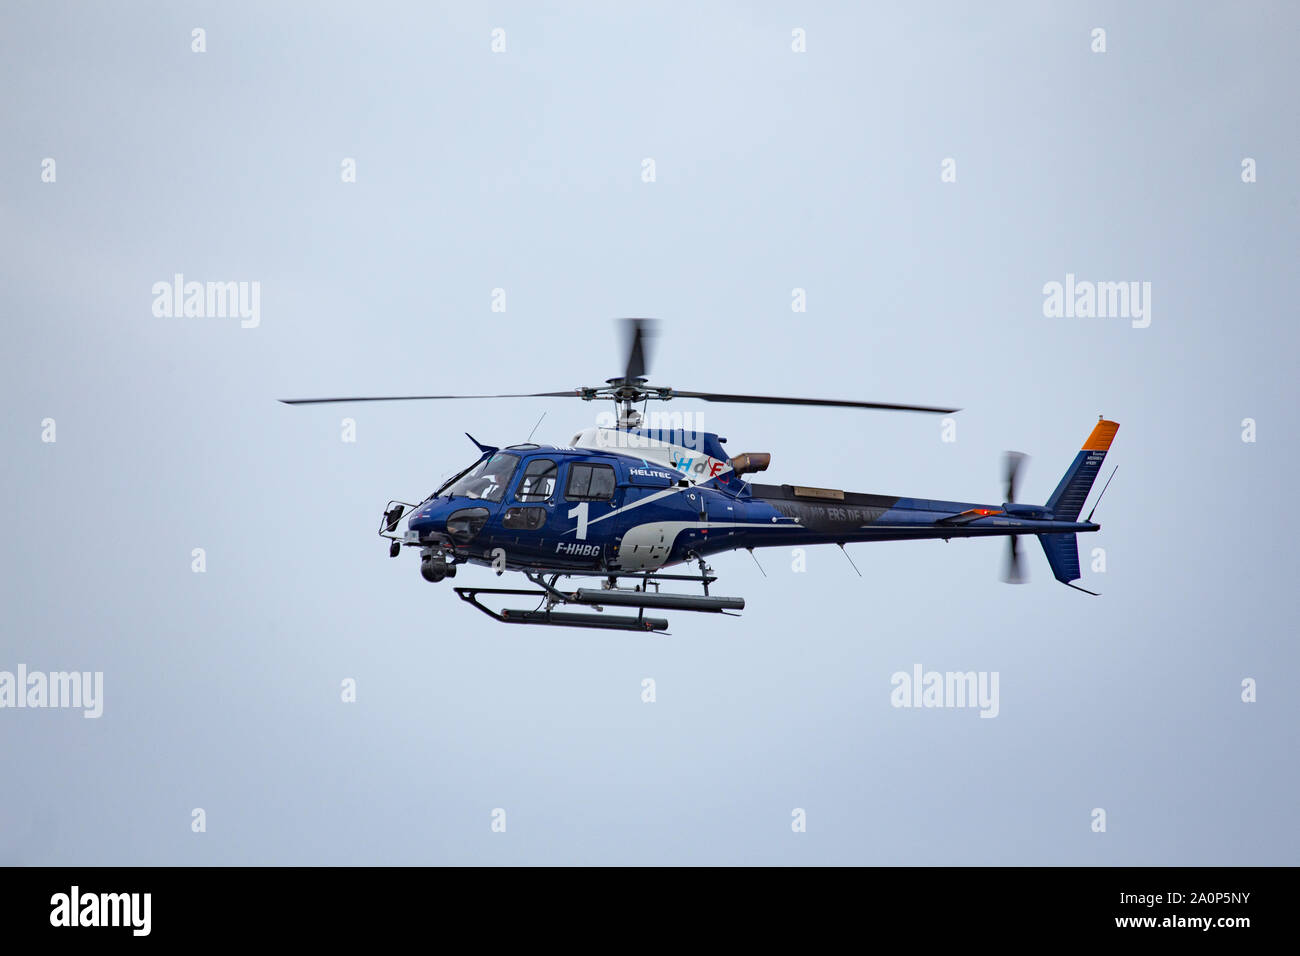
(487, 480)
(538, 481)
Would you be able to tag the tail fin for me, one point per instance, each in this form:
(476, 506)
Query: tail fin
(1068, 498)
(1062, 552)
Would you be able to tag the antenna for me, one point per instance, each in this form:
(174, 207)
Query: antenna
(755, 557)
(530, 434)
(846, 554)
(1103, 491)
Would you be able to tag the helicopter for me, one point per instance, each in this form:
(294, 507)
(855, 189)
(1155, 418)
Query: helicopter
(627, 504)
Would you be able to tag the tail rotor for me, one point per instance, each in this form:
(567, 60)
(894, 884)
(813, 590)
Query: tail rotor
(1012, 571)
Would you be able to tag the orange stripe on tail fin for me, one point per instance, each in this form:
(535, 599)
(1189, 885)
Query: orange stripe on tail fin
(1102, 435)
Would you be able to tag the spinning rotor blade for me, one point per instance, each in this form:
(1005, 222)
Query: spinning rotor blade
(1011, 462)
(1012, 572)
(825, 402)
(571, 393)
(632, 387)
(637, 333)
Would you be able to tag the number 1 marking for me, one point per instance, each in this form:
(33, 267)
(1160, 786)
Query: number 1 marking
(580, 512)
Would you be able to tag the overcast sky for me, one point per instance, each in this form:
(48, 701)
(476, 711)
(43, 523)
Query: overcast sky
(523, 170)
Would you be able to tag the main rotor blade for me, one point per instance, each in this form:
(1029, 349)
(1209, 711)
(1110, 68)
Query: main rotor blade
(825, 402)
(571, 393)
(637, 333)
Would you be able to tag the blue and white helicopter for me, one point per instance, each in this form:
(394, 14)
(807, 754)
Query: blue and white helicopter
(622, 504)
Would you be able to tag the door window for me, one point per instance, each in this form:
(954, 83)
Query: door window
(590, 482)
(523, 519)
(538, 481)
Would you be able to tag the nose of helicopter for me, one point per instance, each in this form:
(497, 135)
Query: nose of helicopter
(427, 518)
(448, 521)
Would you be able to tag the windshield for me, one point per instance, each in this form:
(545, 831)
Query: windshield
(487, 480)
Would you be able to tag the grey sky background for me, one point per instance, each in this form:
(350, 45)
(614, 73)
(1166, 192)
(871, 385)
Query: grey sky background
(521, 170)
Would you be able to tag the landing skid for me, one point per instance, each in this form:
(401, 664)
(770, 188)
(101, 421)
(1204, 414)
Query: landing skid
(558, 618)
(640, 598)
